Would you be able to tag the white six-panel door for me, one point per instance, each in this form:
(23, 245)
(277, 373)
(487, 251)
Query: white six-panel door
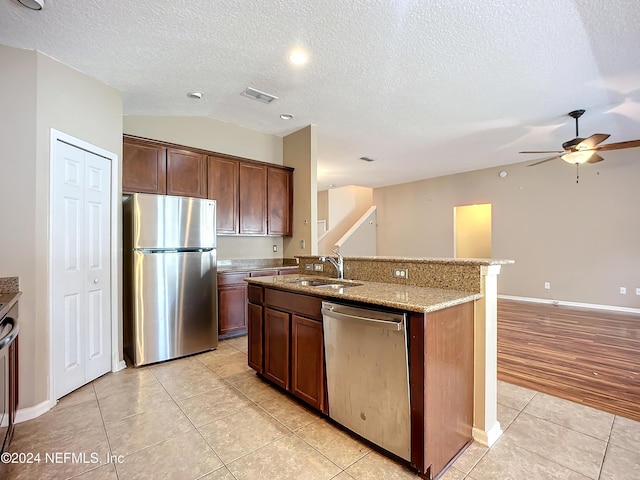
(81, 252)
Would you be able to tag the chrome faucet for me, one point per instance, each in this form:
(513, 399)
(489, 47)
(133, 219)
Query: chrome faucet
(339, 264)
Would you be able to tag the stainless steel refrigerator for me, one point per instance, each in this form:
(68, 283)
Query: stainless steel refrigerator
(170, 286)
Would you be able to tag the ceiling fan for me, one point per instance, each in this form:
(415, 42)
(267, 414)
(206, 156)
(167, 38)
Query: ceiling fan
(583, 150)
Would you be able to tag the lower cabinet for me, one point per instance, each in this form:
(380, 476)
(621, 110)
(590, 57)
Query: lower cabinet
(285, 346)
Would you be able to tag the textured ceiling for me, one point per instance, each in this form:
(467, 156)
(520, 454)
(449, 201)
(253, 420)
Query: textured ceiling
(426, 88)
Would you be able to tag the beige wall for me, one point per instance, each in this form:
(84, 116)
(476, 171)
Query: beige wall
(300, 151)
(220, 137)
(582, 238)
(42, 94)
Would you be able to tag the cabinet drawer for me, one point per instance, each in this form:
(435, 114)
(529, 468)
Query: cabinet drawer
(264, 273)
(235, 278)
(255, 294)
(292, 302)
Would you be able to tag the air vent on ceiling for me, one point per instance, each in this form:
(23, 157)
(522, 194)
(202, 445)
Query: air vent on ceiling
(367, 159)
(258, 95)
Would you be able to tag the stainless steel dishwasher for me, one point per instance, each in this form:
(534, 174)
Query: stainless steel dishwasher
(368, 374)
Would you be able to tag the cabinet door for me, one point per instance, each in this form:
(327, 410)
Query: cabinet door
(186, 173)
(222, 186)
(253, 199)
(276, 347)
(232, 310)
(255, 337)
(307, 361)
(143, 168)
(279, 201)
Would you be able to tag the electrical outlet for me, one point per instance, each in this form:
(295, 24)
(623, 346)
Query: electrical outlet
(318, 267)
(623, 290)
(547, 285)
(308, 266)
(275, 248)
(302, 244)
(637, 291)
(400, 273)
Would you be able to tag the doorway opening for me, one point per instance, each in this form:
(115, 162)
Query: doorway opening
(472, 231)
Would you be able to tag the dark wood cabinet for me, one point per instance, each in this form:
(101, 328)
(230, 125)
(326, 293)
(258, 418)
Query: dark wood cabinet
(255, 337)
(186, 173)
(307, 360)
(144, 167)
(279, 201)
(276, 336)
(253, 199)
(222, 185)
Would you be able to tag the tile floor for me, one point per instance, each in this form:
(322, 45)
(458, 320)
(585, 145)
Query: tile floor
(209, 417)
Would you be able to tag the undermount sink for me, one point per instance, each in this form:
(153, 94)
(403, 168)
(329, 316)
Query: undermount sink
(320, 283)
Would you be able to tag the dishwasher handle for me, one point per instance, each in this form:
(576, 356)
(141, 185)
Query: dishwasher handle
(371, 322)
(13, 332)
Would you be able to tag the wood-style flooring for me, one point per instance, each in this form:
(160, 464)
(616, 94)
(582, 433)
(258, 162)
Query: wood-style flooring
(587, 356)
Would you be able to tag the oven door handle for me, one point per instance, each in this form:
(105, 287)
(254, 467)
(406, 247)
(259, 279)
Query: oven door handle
(13, 333)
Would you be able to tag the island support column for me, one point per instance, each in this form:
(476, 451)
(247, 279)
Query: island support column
(486, 428)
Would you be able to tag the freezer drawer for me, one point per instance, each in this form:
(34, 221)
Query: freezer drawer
(174, 305)
(368, 374)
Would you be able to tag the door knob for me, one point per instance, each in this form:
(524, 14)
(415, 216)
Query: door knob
(95, 280)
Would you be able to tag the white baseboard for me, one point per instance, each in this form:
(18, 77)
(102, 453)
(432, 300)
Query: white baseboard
(488, 437)
(564, 303)
(121, 366)
(29, 413)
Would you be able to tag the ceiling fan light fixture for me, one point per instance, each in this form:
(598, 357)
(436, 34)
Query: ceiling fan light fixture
(32, 4)
(578, 158)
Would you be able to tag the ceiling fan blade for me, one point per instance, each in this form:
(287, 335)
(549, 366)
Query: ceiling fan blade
(592, 141)
(619, 145)
(544, 160)
(595, 158)
(544, 151)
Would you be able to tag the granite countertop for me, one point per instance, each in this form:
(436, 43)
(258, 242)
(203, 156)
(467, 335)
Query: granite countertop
(256, 264)
(454, 261)
(8, 300)
(404, 297)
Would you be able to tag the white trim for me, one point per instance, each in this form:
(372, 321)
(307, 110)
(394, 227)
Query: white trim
(489, 437)
(355, 226)
(564, 303)
(116, 363)
(121, 365)
(29, 413)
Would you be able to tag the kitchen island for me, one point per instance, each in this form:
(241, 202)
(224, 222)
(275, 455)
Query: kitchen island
(445, 304)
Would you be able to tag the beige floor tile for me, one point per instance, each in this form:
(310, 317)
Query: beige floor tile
(452, 474)
(214, 360)
(139, 431)
(514, 396)
(574, 450)
(342, 476)
(137, 400)
(123, 381)
(177, 368)
(185, 456)
(286, 459)
(220, 474)
(84, 451)
(235, 373)
(222, 349)
(81, 395)
(53, 426)
(241, 433)
(289, 412)
(257, 389)
(505, 461)
(105, 472)
(337, 445)
(506, 415)
(470, 457)
(626, 433)
(185, 385)
(375, 466)
(214, 404)
(620, 464)
(571, 415)
(241, 343)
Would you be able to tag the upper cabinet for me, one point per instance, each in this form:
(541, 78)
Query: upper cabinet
(222, 187)
(252, 198)
(186, 173)
(144, 167)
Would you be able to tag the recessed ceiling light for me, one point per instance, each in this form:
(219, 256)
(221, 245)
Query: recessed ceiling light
(197, 95)
(298, 57)
(286, 116)
(331, 185)
(33, 4)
